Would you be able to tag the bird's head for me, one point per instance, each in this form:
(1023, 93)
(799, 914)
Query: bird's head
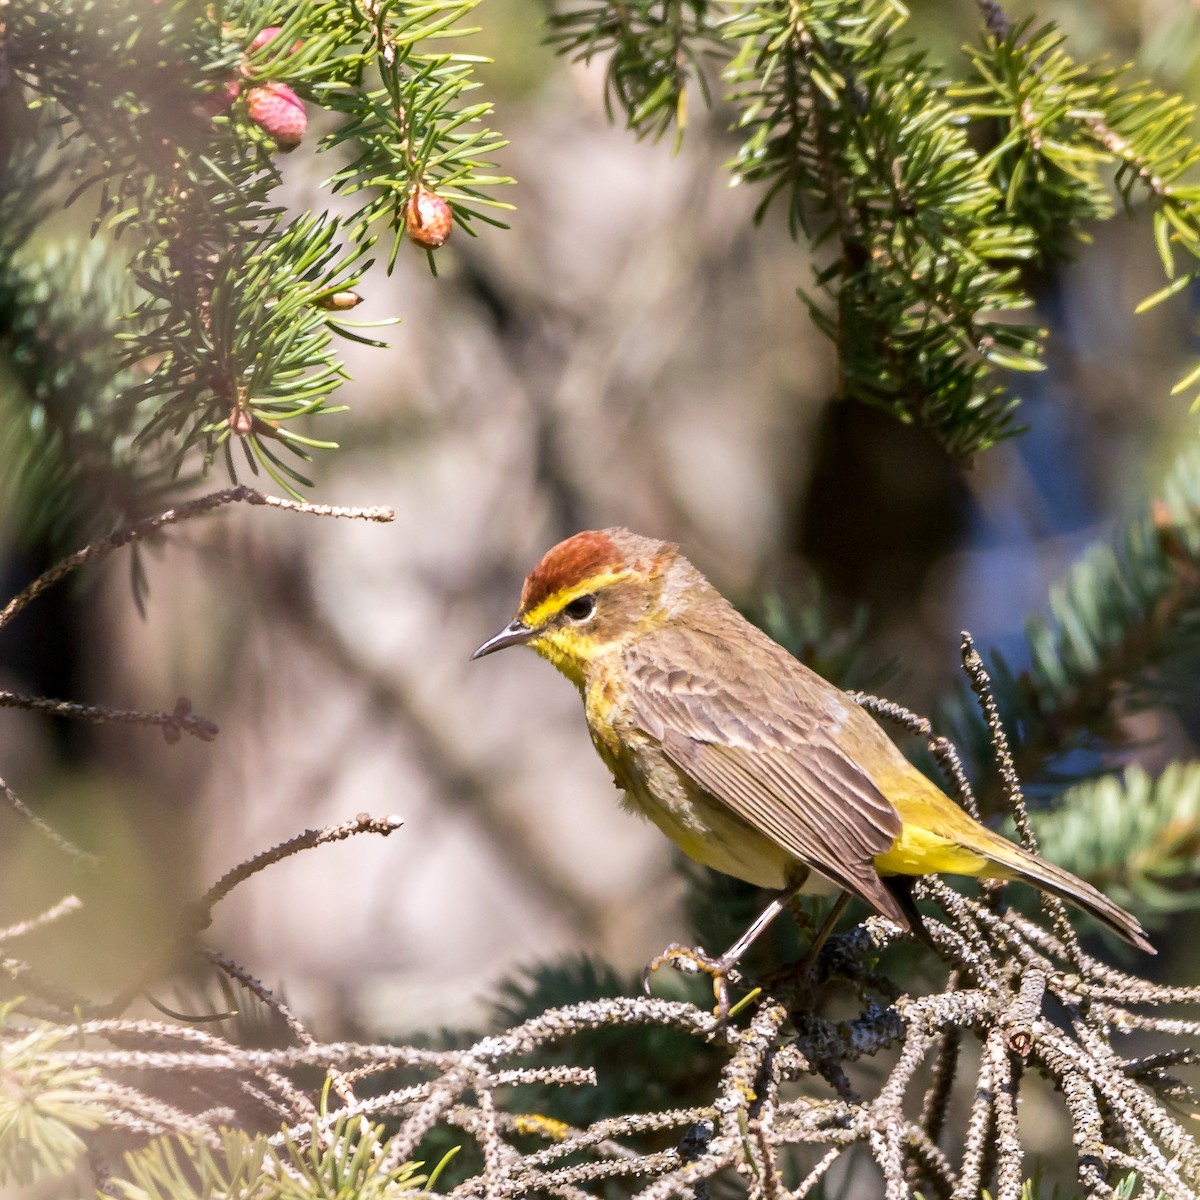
(588, 596)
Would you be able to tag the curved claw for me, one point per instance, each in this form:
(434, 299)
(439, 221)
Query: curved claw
(646, 973)
(694, 960)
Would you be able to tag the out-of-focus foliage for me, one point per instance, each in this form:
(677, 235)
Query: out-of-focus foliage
(1120, 636)
(67, 417)
(1065, 126)
(835, 649)
(1135, 836)
(347, 1160)
(45, 1103)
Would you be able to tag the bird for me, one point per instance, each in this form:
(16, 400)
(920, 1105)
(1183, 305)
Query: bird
(747, 759)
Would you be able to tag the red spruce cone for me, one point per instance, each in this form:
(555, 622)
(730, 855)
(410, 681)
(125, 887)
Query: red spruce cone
(430, 219)
(279, 111)
(263, 36)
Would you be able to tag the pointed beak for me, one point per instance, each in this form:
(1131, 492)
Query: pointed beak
(513, 634)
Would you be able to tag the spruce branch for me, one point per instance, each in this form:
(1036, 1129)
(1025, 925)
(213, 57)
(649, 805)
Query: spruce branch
(924, 201)
(67, 432)
(916, 278)
(654, 51)
(1065, 124)
(858, 136)
(345, 1161)
(46, 1104)
(1043, 158)
(1137, 837)
(264, 363)
(752, 1127)
(415, 131)
(174, 117)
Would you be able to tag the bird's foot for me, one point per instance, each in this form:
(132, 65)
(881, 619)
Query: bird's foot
(694, 960)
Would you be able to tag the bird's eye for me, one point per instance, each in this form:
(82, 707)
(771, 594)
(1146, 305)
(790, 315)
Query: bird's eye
(580, 608)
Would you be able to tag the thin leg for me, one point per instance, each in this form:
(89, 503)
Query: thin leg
(827, 927)
(719, 968)
(756, 927)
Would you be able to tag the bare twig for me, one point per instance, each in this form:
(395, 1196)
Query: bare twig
(180, 720)
(200, 911)
(65, 906)
(81, 857)
(149, 526)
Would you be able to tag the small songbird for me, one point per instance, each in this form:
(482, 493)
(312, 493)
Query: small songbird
(747, 759)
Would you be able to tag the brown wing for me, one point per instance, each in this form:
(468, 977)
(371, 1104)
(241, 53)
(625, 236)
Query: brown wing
(754, 728)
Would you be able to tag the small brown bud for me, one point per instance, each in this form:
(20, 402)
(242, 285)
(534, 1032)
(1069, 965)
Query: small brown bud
(279, 111)
(430, 219)
(1020, 1041)
(241, 420)
(340, 301)
(183, 709)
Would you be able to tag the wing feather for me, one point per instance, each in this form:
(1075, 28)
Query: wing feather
(761, 741)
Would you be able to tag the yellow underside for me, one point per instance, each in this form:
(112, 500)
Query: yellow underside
(937, 837)
(919, 852)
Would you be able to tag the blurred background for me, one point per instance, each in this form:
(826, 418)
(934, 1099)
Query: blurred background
(631, 352)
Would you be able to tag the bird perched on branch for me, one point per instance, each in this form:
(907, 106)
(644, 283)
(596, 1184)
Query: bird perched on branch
(747, 759)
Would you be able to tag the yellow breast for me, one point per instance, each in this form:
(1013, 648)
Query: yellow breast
(699, 824)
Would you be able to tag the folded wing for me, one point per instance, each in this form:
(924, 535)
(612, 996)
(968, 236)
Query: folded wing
(760, 738)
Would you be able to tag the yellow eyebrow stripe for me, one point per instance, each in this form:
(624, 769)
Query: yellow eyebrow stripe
(557, 601)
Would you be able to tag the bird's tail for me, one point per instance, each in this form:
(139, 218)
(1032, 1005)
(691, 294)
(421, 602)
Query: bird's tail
(1020, 864)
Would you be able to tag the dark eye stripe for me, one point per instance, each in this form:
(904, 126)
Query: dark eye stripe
(580, 608)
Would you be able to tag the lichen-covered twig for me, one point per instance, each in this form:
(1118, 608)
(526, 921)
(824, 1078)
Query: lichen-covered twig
(65, 906)
(981, 684)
